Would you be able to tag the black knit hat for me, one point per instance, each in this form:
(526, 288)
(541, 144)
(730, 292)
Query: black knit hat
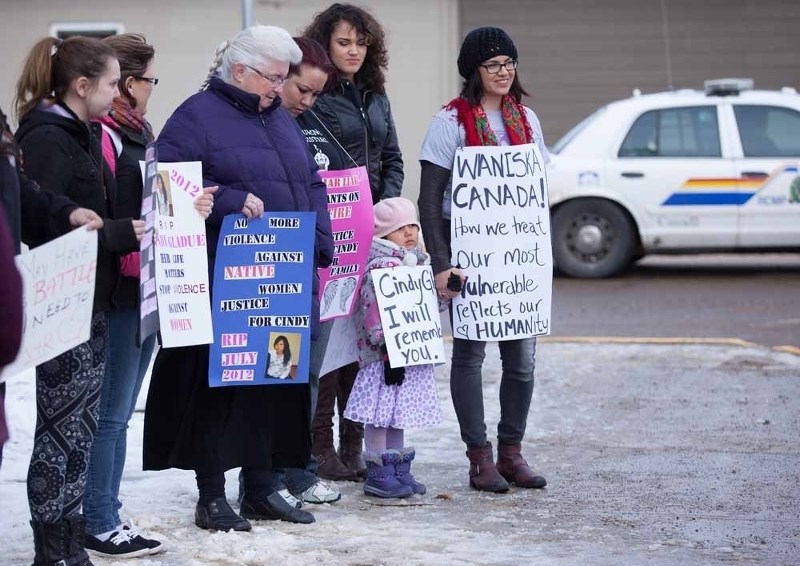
(482, 44)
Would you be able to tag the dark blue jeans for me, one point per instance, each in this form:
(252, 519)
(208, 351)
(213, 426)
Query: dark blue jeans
(125, 371)
(516, 388)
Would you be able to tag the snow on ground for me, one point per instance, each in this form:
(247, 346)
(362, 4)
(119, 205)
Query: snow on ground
(619, 431)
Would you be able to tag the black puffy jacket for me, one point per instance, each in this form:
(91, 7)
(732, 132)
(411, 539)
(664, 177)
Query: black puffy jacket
(362, 122)
(62, 154)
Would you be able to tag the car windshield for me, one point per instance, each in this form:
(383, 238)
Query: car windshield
(570, 135)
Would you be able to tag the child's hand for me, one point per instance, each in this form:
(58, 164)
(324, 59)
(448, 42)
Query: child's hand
(393, 376)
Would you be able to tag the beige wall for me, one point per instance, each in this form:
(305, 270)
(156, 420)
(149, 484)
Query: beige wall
(422, 36)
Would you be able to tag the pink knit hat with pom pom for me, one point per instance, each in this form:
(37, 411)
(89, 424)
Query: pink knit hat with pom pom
(393, 213)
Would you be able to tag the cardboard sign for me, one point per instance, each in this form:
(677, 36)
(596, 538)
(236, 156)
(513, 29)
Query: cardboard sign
(262, 300)
(350, 207)
(181, 258)
(58, 280)
(409, 313)
(500, 229)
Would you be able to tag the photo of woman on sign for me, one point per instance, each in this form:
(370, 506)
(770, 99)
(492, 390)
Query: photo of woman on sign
(162, 193)
(279, 359)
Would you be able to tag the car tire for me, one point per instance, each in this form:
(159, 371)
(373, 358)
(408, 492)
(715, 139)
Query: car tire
(592, 238)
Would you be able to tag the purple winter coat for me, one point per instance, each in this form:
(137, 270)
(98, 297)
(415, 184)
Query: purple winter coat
(246, 150)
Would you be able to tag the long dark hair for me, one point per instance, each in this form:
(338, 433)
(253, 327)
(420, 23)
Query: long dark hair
(287, 351)
(53, 64)
(371, 74)
(134, 55)
(472, 89)
(315, 56)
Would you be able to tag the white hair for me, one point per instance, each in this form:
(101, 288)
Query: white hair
(253, 46)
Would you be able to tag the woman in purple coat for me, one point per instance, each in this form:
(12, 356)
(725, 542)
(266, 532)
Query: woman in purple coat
(254, 151)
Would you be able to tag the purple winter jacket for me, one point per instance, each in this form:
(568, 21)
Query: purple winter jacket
(246, 150)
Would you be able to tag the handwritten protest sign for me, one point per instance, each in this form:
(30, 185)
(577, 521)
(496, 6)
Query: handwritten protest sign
(148, 302)
(342, 347)
(58, 281)
(409, 313)
(350, 207)
(500, 232)
(181, 260)
(262, 300)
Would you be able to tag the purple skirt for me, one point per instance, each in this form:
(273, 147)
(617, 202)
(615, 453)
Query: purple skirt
(414, 404)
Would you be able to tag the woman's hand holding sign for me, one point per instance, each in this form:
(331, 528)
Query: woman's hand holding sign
(449, 282)
(138, 229)
(253, 206)
(204, 204)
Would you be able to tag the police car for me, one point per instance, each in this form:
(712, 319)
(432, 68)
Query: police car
(685, 171)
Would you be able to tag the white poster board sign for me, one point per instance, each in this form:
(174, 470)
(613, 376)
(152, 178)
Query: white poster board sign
(409, 313)
(184, 306)
(58, 280)
(500, 229)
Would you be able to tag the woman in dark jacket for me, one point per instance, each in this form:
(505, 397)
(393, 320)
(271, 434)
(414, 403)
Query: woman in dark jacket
(62, 154)
(357, 110)
(254, 151)
(358, 115)
(33, 215)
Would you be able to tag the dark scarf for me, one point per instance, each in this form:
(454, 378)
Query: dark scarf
(124, 115)
(476, 123)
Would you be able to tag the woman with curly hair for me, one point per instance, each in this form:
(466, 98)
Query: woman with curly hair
(358, 115)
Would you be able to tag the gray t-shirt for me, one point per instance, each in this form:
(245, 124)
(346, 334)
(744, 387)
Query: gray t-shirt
(445, 135)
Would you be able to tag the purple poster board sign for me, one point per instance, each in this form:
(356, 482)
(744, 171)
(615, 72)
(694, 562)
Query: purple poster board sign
(350, 207)
(261, 300)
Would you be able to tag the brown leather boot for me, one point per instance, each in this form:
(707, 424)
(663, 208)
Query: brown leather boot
(351, 446)
(513, 467)
(483, 474)
(351, 433)
(330, 466)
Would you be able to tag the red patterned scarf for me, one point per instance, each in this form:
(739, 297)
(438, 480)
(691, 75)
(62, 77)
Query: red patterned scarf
(476, 123)
(124, 115)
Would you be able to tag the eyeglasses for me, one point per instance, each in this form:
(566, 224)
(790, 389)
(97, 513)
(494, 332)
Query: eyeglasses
(494, 67)
(152, 80)
(274, 80)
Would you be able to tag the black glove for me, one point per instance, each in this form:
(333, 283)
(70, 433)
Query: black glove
(454, 283)
(393, 376)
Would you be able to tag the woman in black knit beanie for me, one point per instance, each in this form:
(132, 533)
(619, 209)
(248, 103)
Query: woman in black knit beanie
(488, 111)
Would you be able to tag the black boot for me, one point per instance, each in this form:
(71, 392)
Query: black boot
(273, 507)
(77, 539)
(59, 544)
(218, 516)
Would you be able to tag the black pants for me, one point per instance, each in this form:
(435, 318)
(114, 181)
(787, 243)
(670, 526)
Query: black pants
(67, 405)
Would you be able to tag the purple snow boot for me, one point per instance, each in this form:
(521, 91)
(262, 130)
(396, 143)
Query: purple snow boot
(382, 476)
(403, 468)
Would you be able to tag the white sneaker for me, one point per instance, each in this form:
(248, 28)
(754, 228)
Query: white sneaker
(290, 499)
(321, 492)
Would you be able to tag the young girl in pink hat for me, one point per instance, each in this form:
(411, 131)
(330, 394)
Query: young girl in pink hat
(389, 400)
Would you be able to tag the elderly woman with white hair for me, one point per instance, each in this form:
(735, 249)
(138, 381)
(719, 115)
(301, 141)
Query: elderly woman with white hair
(254, 151)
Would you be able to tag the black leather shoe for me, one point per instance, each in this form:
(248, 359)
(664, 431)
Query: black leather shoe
(274, 508)
(219, 516)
